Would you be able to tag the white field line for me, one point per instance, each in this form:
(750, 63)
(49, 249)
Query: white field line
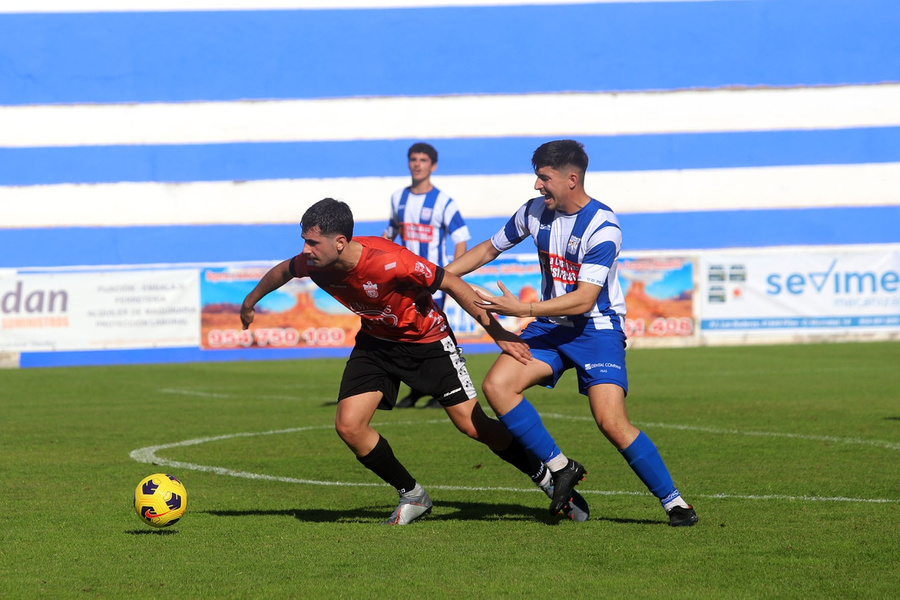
(148, 455)
(714, 430)
(571, 114)
(202, 394)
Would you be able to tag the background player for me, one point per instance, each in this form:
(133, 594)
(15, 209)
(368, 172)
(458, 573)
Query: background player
(578, 325)
(424, 217)
(403, 337)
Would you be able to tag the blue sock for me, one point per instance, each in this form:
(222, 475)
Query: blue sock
(644, 459)
(525, 425)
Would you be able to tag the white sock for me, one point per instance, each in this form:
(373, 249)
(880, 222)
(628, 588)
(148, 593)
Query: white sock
(558, 462)
(676, 501)
(545, 480)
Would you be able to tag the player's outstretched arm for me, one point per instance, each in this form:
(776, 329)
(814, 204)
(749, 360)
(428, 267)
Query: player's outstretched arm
(577, 302)
(479, 255)
(271, 281)
(465, 296)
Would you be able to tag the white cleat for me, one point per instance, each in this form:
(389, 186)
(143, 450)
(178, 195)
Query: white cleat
(412, 506)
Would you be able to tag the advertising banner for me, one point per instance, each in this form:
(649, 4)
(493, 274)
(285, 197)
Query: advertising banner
(300, 315)
(802, 291)
(659, 296)
(297, 315)
(98, 310)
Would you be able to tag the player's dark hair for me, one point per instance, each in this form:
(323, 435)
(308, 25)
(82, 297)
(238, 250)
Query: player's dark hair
(333, 217)
(425, 149)
(560, 153)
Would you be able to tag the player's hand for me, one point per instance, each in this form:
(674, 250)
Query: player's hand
(507, 304)
(247, 315)
(516, 348)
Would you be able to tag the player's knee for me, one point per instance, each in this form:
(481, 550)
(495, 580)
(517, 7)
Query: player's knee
(620, 432)
(470, 430)
(495, 386)
(348, 432)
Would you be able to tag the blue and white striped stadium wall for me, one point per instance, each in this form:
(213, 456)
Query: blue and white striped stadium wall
(164, 131)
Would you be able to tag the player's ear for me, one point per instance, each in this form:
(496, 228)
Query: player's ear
(573, 178)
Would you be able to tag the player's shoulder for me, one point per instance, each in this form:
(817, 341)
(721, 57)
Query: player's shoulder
(605, 214)
(379, 248)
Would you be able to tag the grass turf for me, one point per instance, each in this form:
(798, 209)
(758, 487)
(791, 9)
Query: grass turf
(791, 455)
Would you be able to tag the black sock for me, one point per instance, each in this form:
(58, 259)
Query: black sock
(516, 455)
(382, 462)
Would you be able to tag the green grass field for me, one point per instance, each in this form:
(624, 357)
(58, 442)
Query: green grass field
(790, 454)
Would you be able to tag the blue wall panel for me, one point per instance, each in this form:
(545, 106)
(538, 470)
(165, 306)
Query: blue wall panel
(188, 56)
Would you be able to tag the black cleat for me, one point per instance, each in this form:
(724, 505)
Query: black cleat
(564, 482)
(577, 509)
(680, 516)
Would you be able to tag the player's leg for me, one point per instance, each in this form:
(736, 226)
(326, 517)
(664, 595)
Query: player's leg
(608, 407)
(366, 386)
(470, 419)
(415, 394)
(503, 387)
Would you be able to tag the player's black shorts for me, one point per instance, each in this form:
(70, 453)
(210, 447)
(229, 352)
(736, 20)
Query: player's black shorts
(436, 368)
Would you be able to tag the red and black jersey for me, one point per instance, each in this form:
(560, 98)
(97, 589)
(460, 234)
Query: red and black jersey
(390, 289)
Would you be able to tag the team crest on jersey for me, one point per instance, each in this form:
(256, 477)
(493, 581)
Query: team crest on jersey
(371, 289)
(572, 247)
(426, 214)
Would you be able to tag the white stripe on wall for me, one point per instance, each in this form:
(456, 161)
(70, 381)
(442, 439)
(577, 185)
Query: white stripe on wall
(69, 6)
(283, 201)
(546, 115)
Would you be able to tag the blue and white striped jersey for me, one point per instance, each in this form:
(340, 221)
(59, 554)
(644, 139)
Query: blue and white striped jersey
(583, 246)
(423, 222)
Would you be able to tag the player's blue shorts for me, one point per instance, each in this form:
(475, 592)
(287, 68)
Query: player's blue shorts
(598, 355)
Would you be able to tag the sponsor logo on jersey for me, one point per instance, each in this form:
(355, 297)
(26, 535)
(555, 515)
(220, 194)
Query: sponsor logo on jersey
(384, 317)
(424, 269)
(390, 265)
(416, 232)
(561, 269)
(371, 289)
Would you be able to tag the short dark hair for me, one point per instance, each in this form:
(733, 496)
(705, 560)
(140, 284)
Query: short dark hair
(560, 153)
(331, 216)
(425, 149)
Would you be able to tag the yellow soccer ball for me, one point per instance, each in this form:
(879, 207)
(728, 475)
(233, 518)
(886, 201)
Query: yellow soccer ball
(160, 500)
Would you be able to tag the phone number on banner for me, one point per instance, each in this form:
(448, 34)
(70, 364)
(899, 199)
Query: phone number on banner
(276, 337)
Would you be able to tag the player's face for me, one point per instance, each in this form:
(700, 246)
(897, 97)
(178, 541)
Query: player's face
(323, 251)
(554, 185)
(420, 166)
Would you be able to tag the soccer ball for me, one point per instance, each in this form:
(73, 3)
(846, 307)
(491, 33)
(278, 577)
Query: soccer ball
(160, 500)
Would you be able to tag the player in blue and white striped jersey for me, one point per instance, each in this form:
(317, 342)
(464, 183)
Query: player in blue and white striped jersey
(578, 324)
(424, 216)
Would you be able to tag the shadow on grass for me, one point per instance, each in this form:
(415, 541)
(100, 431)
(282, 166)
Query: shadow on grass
(151, 531)
(445, 511)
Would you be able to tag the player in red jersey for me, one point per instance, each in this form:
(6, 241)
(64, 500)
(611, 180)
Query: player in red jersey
(403, 337)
